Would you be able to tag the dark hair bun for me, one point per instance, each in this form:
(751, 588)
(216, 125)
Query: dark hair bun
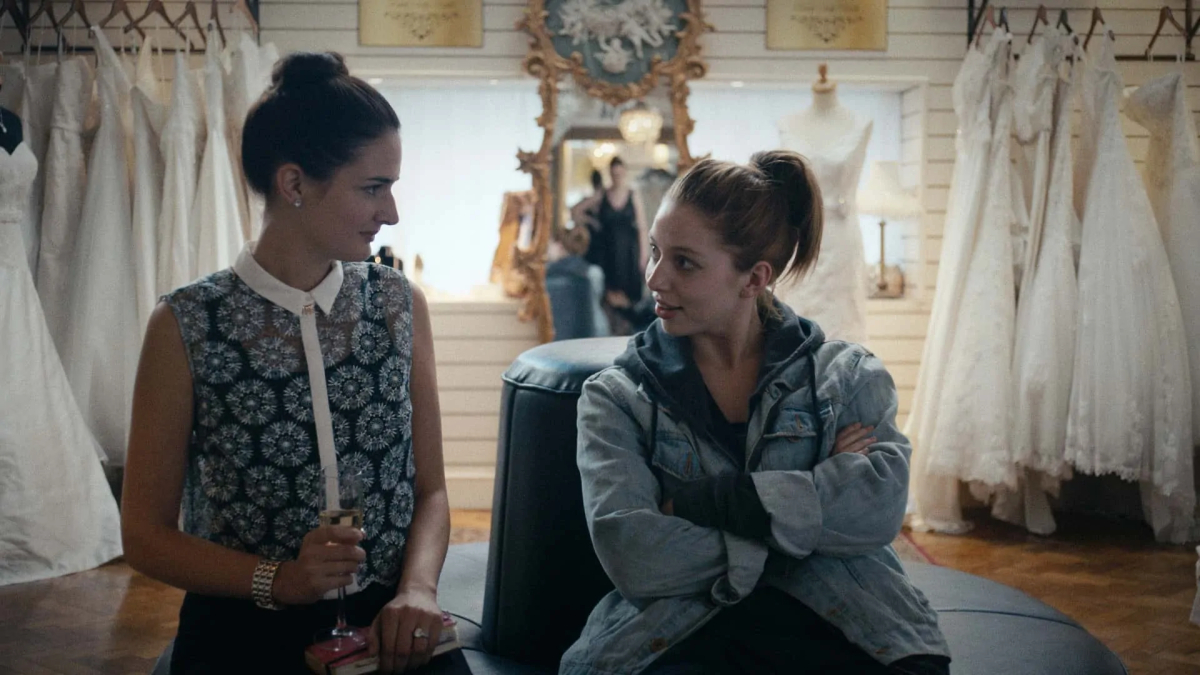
(307, 69)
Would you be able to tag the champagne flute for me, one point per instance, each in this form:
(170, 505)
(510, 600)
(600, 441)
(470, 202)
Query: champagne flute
(341, 504)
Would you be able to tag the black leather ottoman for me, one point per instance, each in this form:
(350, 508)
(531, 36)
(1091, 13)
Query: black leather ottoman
(543, 577)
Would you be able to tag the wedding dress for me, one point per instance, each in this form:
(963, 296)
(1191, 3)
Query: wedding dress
(1130, 410)
(834, 291)
(182, 139)
(1173, 184)
(57, 513)
(215, 211)
(37, 101)
(1044, 351)
(149, 114)
(103, 338)
(65, 172)
(970, 440)
(934, 500)
(242, 89)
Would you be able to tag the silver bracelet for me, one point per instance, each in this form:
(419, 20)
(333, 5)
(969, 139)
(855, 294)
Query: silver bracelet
(263, 582)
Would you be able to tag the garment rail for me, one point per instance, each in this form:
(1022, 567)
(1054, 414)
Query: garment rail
(980, 13)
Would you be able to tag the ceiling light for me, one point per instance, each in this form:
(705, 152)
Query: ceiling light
(640, 124)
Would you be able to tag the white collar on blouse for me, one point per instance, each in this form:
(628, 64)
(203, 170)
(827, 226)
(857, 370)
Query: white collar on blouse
(291, 299)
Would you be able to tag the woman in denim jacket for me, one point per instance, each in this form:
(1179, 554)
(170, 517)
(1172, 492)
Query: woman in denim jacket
(741, 536)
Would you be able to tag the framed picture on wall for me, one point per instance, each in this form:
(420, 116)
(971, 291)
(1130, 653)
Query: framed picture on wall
(420, 23)
(826, 25)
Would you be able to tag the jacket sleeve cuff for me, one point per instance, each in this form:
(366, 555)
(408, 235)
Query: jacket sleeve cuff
(791, 500)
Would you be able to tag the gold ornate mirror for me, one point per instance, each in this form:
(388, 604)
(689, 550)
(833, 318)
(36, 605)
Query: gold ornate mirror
(617, 52)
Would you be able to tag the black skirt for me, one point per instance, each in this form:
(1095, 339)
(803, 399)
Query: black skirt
(232, 635)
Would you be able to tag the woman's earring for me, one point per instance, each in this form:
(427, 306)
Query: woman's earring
(296, 203)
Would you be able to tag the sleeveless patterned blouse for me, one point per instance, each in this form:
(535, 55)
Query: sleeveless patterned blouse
(255, 454)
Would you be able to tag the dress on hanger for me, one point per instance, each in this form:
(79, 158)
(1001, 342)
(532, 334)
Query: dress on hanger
(1033, 115)
(242, 89)
(57, 513)
(934, 500)
(37, 102)
(149, 115)
(181, 142)
(1173, 183)
(12, 84)
(1044, 352)
(65, 172)
(970, 440)
(1130, 411)
(834, 291)
(215, 211)
(103, 337)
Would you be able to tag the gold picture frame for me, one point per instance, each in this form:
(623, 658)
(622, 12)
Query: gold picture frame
(549, 61)
(827, 25)
(420, 23)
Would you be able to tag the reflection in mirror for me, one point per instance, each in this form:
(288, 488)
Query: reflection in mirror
(606, 191)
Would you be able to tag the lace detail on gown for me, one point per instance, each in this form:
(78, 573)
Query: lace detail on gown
(1130, 411)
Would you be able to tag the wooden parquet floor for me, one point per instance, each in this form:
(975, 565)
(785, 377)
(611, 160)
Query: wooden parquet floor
(1131, 593)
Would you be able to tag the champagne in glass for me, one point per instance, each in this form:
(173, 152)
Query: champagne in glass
(341, 504)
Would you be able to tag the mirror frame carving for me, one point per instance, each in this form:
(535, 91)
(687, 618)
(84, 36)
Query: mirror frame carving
(545, 63)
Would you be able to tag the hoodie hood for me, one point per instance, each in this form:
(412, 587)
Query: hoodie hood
(663, 363)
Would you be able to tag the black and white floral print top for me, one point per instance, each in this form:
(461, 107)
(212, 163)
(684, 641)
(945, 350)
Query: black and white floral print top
(263, 426)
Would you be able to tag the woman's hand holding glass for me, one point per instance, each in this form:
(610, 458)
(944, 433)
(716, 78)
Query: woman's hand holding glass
(329, 557)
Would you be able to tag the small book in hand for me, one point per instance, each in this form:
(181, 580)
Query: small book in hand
(324, 660)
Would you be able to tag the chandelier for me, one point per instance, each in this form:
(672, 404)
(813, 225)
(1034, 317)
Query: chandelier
(640, 124)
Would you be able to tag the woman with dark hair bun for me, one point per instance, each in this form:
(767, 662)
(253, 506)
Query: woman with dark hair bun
(297, 359)
(742, 535)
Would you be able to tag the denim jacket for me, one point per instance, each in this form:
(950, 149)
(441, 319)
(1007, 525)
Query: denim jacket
(642, 430)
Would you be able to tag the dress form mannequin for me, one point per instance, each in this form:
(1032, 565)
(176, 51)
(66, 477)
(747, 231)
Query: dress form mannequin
(834, 139)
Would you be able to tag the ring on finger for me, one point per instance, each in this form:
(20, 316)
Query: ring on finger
(420, 634)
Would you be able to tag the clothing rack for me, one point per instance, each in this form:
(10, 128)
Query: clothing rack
(26, 7)
(1191, 25)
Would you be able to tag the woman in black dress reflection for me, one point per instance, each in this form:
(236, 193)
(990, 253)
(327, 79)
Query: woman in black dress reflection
(618, 224)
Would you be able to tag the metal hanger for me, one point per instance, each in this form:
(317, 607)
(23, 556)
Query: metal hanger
(121, 7)
(215, 19)
(241, 6)
(11, 8)
(1062, 21)
(1040, 18)
(155, 7)
(77, 8)
(1165, 15)
(1097, 20)
(47, 8)
(189, 11)
(989, 18)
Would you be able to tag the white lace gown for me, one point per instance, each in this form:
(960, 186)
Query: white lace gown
(1044, 352)
(149, 115)
(934, 495)
(1172, 173)
(37, 102)
(57, 514)
(834, 292)
(1131, 405)
(103, 337)
(215, 211)
(181, 144)
(970, 440)
(65, 172)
